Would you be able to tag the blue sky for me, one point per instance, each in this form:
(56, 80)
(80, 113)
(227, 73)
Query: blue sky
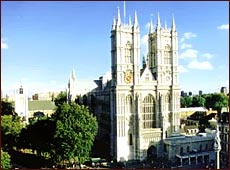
(41, 42)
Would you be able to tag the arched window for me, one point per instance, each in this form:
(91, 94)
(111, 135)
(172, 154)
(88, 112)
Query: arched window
(120, 117)
(148, 112)
(167, 55)
(128, 53)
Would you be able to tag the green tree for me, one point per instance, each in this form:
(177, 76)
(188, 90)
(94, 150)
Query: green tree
(198, 101)
(220, 100)
(11, 128)
(7, 108)
(186, 101)
(61, 98)
(5, 160)
(76, 129)
(182, 102)
(216, 101)
(208, 100)
(38, 136)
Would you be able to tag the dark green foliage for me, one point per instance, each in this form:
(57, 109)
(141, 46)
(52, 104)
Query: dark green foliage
(186, 101)
(38, 136)
(76, 129)
(7, 108)
(5, 160)
(220, 100)
(198, 101)
(60, 99)
(215, 101)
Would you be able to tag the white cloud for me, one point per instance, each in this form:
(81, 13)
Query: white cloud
(187, 35)
(223, 27)
(184, 45)
(144, 44)
(182, 69)
(189, 53)
(4, 45)
(207, 55)
(205, 65)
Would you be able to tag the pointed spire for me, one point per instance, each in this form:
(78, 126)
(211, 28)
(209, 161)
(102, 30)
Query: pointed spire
(124, 11)
(143, 59)
(118, 17)
(173, 24)
(158, 21)
(114, 23)
(165, 25)
(151, 26)
(144, 62)
(135, 20)
(73, 75)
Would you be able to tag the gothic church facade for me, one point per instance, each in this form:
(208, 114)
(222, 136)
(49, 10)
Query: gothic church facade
(143, 102)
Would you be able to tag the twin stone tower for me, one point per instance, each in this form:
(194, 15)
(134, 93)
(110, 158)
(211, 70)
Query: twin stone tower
(144, 102)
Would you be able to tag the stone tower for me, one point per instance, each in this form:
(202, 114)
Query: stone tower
(21, 103)
(125, 52)
(144, 103)
(163, 62)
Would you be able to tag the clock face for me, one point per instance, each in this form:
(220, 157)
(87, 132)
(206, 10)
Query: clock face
(167, 78)
(128, 77)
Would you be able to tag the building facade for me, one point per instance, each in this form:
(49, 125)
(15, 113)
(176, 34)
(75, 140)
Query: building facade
(190, 151)
(224, 137)
(48, 96)
(144, 103)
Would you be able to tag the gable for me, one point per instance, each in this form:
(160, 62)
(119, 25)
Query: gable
(147, 76)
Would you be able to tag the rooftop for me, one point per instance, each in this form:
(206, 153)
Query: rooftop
(41, 105)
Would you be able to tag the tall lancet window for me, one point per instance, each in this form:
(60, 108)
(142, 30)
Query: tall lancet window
(128, 104)
(128, 53)
(167, 55)
(148, 112)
